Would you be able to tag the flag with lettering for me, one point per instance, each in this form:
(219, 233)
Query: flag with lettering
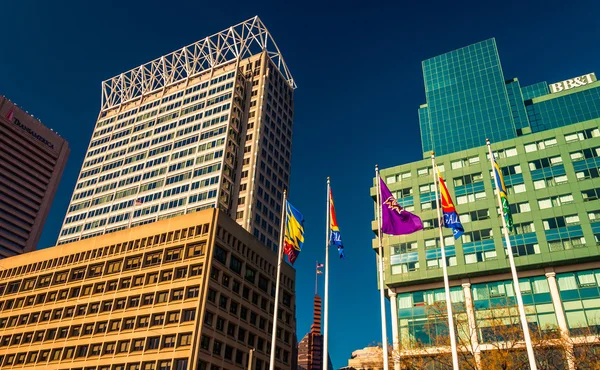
(395, 220)
(451, 219)
(336, 237)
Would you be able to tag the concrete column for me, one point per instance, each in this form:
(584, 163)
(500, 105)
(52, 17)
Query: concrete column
(560, 317)
(472, 324)
(395, 340)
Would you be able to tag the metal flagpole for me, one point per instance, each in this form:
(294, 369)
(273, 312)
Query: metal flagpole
(444, 267)
(316, 277)
(132, 213)
(513, 269)
(381, 280)
(326, 314)
(279, 259)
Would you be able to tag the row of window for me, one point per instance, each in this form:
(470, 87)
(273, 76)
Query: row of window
(157, 320)
(128, 246)
(122, 347)
(151, 258)
(512, 152)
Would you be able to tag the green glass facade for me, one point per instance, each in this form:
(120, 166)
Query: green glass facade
(468, 100)
(553, 183)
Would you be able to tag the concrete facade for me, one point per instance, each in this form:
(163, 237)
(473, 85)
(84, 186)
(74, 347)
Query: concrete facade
(190, 292)
(32, 160)
(220, 137)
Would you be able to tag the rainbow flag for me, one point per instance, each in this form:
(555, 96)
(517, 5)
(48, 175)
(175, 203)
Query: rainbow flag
(294, 232)
(451, 219)
(336, 237)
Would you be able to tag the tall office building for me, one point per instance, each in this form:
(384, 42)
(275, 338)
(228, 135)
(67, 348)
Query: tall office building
(32, 160)
(310, 348)
(193, 292)
(551, 169)
(208, 125)
(469, 100)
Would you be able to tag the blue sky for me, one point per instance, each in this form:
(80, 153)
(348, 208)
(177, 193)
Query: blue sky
(358, 70)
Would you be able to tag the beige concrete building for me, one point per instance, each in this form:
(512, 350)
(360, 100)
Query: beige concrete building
(32, 160)
(191, 292)
(368, 358)
(208, 125)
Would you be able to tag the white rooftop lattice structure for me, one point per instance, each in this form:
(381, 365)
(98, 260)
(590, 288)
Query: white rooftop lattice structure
(237, 42)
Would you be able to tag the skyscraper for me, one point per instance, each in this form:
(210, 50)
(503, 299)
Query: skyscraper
(32, 160)
(208, 125)
(550, 161)
(469, 100)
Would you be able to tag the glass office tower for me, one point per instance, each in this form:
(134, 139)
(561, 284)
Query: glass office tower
(548, 146)
(469, 100)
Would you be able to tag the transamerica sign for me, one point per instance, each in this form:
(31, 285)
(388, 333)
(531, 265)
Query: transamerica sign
(572, 82)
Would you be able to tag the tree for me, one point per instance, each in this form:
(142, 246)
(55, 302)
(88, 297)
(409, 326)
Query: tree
(498, 343)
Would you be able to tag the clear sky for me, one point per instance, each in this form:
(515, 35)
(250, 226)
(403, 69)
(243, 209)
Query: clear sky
(358, 70)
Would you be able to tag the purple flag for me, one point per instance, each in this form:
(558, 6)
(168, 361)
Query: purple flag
(394, 219)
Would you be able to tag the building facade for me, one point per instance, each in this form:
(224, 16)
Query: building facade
(32, 160)
(310, 348)
(209, 125)
(551, 171)
(469, 100)
(192, 292)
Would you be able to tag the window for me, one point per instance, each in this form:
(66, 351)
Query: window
(169, 341)
(480, 256)
(555, 201)
(545, 163)
(566, 244)
(217, 346)
(152, 343)
(468, 179)
(184, 340)
(188, 315)
(220, 326)
(550, 181)
(582, 135)
(477, 235)
(193, 292)
(540, 145)
(195, 249)
(250, 274)
(587, 173)
(208, 318)
(524, 228)
(235, 264)
(220, 254)
(524, 250)
(470, 198)
(561, 221)
(589, 195)
(205, 342)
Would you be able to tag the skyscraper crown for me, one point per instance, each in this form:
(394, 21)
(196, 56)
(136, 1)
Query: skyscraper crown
(236, 42)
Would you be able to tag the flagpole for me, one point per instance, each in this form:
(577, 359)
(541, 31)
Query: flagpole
(513, 269)
(316, 277)
(279, 259)
(131, 214)
(444, 268)
(381, 280)
(326, 315)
